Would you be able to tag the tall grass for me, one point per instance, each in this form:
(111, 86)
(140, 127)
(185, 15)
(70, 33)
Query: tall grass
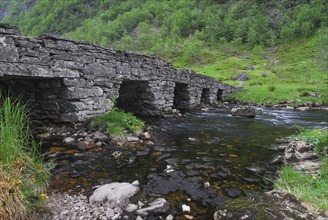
(312, 188)
(309, 188)
(23, 175)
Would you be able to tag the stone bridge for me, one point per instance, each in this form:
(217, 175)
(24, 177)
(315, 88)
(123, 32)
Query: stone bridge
(67, 81)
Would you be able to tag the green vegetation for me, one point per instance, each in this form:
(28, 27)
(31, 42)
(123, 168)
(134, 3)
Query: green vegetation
(23, 175)
(309, 188)
(298, 71)
(286, 41)
(117, 122)
(318, 137)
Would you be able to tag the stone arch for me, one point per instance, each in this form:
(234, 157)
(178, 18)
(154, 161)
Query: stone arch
(219, 96)
(206, 95)
(181, 99)
(136, 97)
(36, 93)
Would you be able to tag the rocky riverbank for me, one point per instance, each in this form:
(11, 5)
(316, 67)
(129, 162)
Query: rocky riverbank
(309, 106)
(110, 201)
(276, 204)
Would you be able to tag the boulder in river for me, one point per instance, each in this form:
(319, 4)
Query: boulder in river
(117, 194)
(159, 205)
(244, 111)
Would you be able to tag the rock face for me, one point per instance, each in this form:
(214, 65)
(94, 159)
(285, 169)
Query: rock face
(117, 194)
(301, 156)
(297, 151)
(68, 81)
(244, 111)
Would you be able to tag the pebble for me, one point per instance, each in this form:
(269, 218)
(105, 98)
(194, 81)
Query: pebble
(131, 207)
(189, 217)
(185, 208)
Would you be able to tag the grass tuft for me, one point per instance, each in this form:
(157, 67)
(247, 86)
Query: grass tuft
(117, 122)
(309, 188)
(23, 175)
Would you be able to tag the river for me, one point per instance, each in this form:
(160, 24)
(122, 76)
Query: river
(200, 159)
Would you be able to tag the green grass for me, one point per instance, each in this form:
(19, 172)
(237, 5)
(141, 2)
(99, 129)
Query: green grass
(300, 74)
(23, 175)
(117, 122)
(318, 137)
(309, 188)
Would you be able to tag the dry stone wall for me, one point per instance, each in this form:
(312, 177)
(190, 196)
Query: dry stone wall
(72, 81)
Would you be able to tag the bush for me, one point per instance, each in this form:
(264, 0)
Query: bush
(255, 83)
(117, 122)
(272, 88)
(23, 175)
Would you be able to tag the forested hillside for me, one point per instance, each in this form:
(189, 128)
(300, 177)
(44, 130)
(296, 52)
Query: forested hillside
(215, 37)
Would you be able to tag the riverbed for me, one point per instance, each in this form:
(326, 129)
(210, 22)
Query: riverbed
(200, 159)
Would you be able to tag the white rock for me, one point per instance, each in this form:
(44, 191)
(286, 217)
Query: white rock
(207, 184)
(159, 205)
(135, 183)
(169, 169)
(139, 218)
(132, 139)
(140, 204)
(117, 194)
(68, 140)
(185, 208)
(192, 139)
(109, 213)
(169, 217)
(118, 210)
(131, 208)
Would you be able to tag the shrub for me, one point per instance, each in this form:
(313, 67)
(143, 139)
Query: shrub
(272, 88)
(23, 175)
(117, 122)
(255, 83)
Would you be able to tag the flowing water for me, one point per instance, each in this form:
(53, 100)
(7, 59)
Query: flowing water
(200, 159)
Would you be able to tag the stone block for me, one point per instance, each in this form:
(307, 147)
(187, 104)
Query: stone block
(65, 73)
(72, 107)
(9, 52)
(49, 105)
(78, 93)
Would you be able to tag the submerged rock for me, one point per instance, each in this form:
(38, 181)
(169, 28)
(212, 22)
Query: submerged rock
(158, 206)
(233, 192)
(117, 194)
(245, 111)
(270, 205)
(86, 145)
